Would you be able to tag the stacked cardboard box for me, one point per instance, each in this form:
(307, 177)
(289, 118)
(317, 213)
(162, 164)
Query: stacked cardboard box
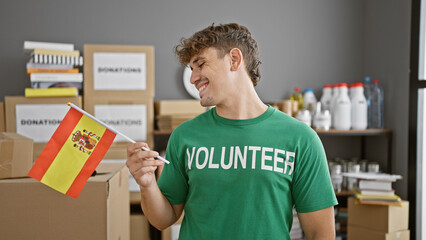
(171, 113)
(100, 212)
(16, 155)
(2, 118)
(377, 222)
(139, 227)
(119, 90)
(36, 118)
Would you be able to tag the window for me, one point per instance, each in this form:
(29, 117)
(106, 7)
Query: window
(417, 122)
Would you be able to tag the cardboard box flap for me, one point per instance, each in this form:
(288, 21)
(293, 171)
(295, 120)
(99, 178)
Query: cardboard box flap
(11, 135)
(106, 171)
(16, 153)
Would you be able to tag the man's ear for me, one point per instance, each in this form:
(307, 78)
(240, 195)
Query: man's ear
(236, 58)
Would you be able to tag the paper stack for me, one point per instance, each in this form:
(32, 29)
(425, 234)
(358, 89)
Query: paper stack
(54, 69)
(375, 188)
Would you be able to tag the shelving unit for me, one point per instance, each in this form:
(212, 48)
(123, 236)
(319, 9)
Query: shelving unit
(363, 134)
(160, 136)
(367, 132)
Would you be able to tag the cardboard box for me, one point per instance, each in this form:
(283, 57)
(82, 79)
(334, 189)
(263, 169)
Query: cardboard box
(37, 118)
(377, 217)
(139, 227)
(179, 107)
(170, 122)
(31, 210)
(120, 70)
(16, 155)
(134, 117)
(2, 118)
(359, 233)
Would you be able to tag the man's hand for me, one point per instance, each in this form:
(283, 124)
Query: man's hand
(142, 164)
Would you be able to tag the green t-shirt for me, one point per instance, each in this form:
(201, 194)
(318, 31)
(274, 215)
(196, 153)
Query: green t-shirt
(239, 179)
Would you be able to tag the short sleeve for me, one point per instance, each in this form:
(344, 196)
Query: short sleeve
(312, 188)
(173, 181)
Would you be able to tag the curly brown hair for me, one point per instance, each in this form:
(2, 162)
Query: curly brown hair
(223, 37)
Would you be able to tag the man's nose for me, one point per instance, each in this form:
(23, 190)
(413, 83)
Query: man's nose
(195, 76)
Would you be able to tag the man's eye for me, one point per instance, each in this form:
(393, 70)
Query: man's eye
(201, 65)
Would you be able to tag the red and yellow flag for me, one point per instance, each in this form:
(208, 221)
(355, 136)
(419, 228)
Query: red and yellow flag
(72, 154)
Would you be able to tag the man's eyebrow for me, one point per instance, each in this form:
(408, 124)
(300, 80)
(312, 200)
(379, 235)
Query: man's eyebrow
(195, 61)
(198, 59)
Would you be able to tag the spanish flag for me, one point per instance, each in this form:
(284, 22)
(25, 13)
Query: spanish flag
(73, 153)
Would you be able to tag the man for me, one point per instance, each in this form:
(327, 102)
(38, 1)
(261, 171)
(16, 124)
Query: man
(239, 168)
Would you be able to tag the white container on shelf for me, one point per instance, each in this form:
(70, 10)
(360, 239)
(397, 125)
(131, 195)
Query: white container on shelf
(326, 97)
(322, 118)
(304, 116)
(351, 90)
(335, 93)
(342, 111)
(310, 100)
(358, 108)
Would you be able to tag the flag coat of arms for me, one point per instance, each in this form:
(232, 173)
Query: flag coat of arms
(73, 153)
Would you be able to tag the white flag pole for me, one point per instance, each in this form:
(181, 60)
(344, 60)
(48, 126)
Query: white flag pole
(110, 128)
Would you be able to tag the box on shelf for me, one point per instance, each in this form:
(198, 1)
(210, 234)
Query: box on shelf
(134, 117)
(2, 118)
(100, 212)
(178, 107)
(361, 233)
(37, 118)
(378, 217)
(16, 155)
(170, 122)
(117, 70)
(171, 113)
(139, 227)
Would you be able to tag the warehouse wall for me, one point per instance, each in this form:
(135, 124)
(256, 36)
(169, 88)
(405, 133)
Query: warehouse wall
(387, 57)
(304, 43)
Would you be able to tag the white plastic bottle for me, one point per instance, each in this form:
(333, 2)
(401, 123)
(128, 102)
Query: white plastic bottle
(351, 90)
(335, 94)
(342, 109)
(322, 119)
(376, 106)
(304, 116)
(326, 97)
(310, 100)
(358, 107)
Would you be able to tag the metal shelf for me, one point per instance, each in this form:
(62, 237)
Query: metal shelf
(331, 132)
(367, 132)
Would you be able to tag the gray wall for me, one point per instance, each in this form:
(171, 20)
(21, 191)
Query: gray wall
(304, 43)
(387, 57)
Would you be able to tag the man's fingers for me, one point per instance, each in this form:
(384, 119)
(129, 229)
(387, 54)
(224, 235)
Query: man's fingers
(145, 170)
(148, 155)
(136, 147)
